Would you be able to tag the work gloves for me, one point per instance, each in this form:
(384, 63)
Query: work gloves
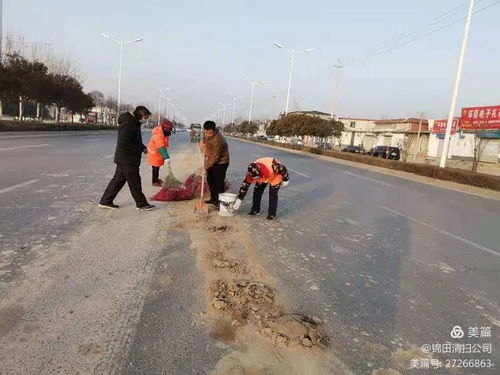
(164, 153)
(237, 204)
(285, 183)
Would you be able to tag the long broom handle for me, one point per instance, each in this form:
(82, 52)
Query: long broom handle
(202, 177)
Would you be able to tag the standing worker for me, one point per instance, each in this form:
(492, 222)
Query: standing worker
(216, 160)
(157, 149)
(263, 171)
(129, 148)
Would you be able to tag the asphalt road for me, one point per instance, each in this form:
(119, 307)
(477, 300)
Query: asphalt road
(387, 262)
(45, 179)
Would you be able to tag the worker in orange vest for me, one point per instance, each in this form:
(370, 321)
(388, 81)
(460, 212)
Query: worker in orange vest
(157, 149)
(264, 171)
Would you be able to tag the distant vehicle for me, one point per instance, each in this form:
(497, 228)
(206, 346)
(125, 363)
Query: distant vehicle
(91, 118)
(324, 145)
(262, 137)
(385, 152)
(353, 149)
(195, 132)
(298, 142)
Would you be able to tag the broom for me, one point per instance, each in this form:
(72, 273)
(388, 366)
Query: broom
(201, 207)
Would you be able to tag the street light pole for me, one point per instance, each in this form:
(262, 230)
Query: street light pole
(451, 114)
(292, 53)
(160, 90)
(1, 29)
(234, 107)
(121, 43)
(292, 62)
(223, 113)
(337, 67)
(252, 90)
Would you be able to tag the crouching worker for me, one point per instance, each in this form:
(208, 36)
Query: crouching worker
(157, 149)
(265, 171)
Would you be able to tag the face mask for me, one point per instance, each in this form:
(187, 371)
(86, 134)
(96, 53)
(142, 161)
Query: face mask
(166, 133)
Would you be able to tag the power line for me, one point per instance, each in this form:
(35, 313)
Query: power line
(417, 29)
(403, 41)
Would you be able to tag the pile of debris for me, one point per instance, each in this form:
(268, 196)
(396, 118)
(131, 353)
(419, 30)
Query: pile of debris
(253, 302)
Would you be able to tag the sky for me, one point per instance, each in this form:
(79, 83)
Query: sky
(204, 49)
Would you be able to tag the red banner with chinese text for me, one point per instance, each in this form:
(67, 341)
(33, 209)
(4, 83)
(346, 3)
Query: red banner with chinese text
(440, 126)
(479, 118)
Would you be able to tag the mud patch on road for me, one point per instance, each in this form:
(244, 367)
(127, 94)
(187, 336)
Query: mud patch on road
(245, 309)
(90, 349)
(9, 316)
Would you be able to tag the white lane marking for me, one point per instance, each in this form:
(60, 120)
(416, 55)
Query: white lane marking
(442, 231)
(367, 178)
(109, 156)
(66, 133)
(17, 186)
(93, 139)
(299, 173)
(19, 147)
(255, 155)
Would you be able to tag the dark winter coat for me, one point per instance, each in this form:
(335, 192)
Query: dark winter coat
(129, 147)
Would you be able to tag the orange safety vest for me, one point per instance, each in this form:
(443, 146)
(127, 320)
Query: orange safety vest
(158, 140)
(269, 177)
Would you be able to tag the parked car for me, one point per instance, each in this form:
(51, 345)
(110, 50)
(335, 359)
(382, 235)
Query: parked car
(386, 152)
(324, 145)
(297, 142)
(262, 137)
(353, 149)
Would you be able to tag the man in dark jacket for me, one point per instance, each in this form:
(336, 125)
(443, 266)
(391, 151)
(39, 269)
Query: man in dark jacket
(129, 148)
(216, 160)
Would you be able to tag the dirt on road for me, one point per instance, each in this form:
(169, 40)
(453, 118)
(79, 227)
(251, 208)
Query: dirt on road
(76, 308)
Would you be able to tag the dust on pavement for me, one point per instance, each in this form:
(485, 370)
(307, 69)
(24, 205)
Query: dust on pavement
(77, 307)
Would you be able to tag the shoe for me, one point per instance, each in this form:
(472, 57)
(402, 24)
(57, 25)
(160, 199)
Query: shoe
(147, 207)
(254, 213)
(209, 201)
(270, 217)
(157, 183)
(213, 203)
(110, 206)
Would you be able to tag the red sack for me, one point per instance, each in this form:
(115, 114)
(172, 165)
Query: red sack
(173, 194)
(193, 184)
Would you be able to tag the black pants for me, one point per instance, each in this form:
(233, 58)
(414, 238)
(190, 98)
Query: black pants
(215, 179)
(129, 174)
(273, 198)
(156, 174)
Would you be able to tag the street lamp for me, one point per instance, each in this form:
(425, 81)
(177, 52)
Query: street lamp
(121, 43)
(451, 114)
(252, 89)
(337, 67)
(234, 107)
(168, 103)
(160, 91)
(292, 53)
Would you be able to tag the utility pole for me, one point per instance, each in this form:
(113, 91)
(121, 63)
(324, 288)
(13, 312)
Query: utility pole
(451, 114)
(1, 47)
(418, 135)
(273, 108)
(337, 67)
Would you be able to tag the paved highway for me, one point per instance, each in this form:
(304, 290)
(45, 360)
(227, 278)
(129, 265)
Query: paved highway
(387, 262)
